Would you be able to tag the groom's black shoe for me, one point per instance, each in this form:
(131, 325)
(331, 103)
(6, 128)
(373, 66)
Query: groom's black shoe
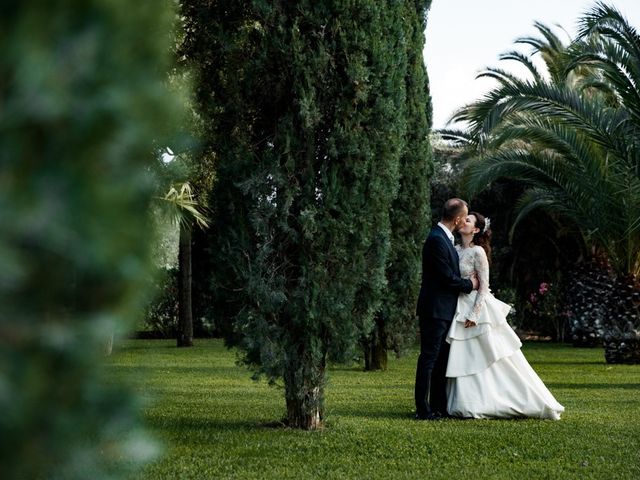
(429, 416)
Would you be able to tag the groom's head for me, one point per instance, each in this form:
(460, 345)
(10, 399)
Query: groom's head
(454, 212)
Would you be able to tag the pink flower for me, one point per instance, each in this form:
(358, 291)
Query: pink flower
(544, 288)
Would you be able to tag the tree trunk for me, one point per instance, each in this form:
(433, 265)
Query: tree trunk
(375, 356)
(304, 396)
(185, 317)
(375, 350)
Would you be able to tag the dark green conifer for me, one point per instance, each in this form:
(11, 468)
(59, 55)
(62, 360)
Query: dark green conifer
(395, 325)
(305, 105)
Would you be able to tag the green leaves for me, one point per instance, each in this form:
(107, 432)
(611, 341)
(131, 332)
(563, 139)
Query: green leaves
(573, 138)
(183, 206)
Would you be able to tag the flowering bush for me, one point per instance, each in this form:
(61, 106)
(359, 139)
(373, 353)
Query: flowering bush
(545, 304)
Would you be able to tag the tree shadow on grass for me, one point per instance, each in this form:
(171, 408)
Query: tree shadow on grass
(192, 427)
(186, 424)
(347, 368)
(404, 414)
(213, 371)
(560, 362)
(595, 386)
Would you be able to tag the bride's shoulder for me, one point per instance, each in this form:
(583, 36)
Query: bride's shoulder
(478, 250)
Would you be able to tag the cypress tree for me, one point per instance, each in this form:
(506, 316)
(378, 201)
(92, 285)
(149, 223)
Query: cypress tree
(82, 100)
(304, 105)
(395, 326)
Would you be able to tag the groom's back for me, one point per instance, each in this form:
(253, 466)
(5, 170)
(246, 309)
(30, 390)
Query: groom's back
(437, 297)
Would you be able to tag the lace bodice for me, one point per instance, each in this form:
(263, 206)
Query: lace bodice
(475, 259)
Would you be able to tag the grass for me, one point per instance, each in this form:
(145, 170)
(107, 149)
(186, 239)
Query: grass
(214, 421)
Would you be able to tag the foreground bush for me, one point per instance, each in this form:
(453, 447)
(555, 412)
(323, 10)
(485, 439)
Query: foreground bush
(82, 99)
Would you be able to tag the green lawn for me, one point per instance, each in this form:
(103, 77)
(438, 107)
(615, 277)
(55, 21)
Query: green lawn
(214, 421)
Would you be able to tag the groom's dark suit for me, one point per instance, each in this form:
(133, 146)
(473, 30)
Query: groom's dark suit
(441, 285)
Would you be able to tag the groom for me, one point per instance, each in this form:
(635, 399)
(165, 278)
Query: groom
(441, 284)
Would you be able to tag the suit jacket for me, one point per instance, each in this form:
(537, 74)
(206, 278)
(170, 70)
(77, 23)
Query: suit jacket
(441, 281)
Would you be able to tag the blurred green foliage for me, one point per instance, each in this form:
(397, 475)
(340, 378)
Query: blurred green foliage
(83, 100)
(161, 315)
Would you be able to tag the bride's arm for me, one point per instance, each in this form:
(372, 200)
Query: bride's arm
(481, 265)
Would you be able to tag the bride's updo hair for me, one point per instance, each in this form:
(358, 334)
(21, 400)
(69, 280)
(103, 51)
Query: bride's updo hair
(483, 237)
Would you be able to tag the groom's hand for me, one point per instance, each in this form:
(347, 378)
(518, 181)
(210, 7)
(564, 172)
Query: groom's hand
(469, 323)
(474, 280)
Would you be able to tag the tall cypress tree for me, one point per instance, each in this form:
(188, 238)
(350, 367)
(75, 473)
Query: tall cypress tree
(304, 104)
(395, 326)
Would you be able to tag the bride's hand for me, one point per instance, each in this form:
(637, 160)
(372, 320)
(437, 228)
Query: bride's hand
(469, 323)
(475, 281)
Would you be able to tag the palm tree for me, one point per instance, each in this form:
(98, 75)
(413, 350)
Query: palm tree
(181, 205)
(574, 139)
(183, 210)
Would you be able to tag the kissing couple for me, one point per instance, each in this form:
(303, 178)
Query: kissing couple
(470, 364)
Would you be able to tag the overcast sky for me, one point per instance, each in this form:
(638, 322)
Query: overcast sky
(464, 36)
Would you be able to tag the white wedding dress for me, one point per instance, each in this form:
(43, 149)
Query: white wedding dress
(488, 376)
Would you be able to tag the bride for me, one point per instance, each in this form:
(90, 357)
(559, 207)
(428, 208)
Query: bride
(488, 376)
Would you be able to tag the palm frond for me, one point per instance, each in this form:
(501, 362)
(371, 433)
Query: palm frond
(609, 21)
(553, 42)
(524, 60)
(534, 42)
(459, 138)
(536, 199)
(182, 206)
(550, 48)
(502, 76)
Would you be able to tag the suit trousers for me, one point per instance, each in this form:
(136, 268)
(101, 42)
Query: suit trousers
(431, 380)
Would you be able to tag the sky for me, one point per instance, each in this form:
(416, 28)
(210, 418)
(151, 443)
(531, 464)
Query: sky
(464, 36)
